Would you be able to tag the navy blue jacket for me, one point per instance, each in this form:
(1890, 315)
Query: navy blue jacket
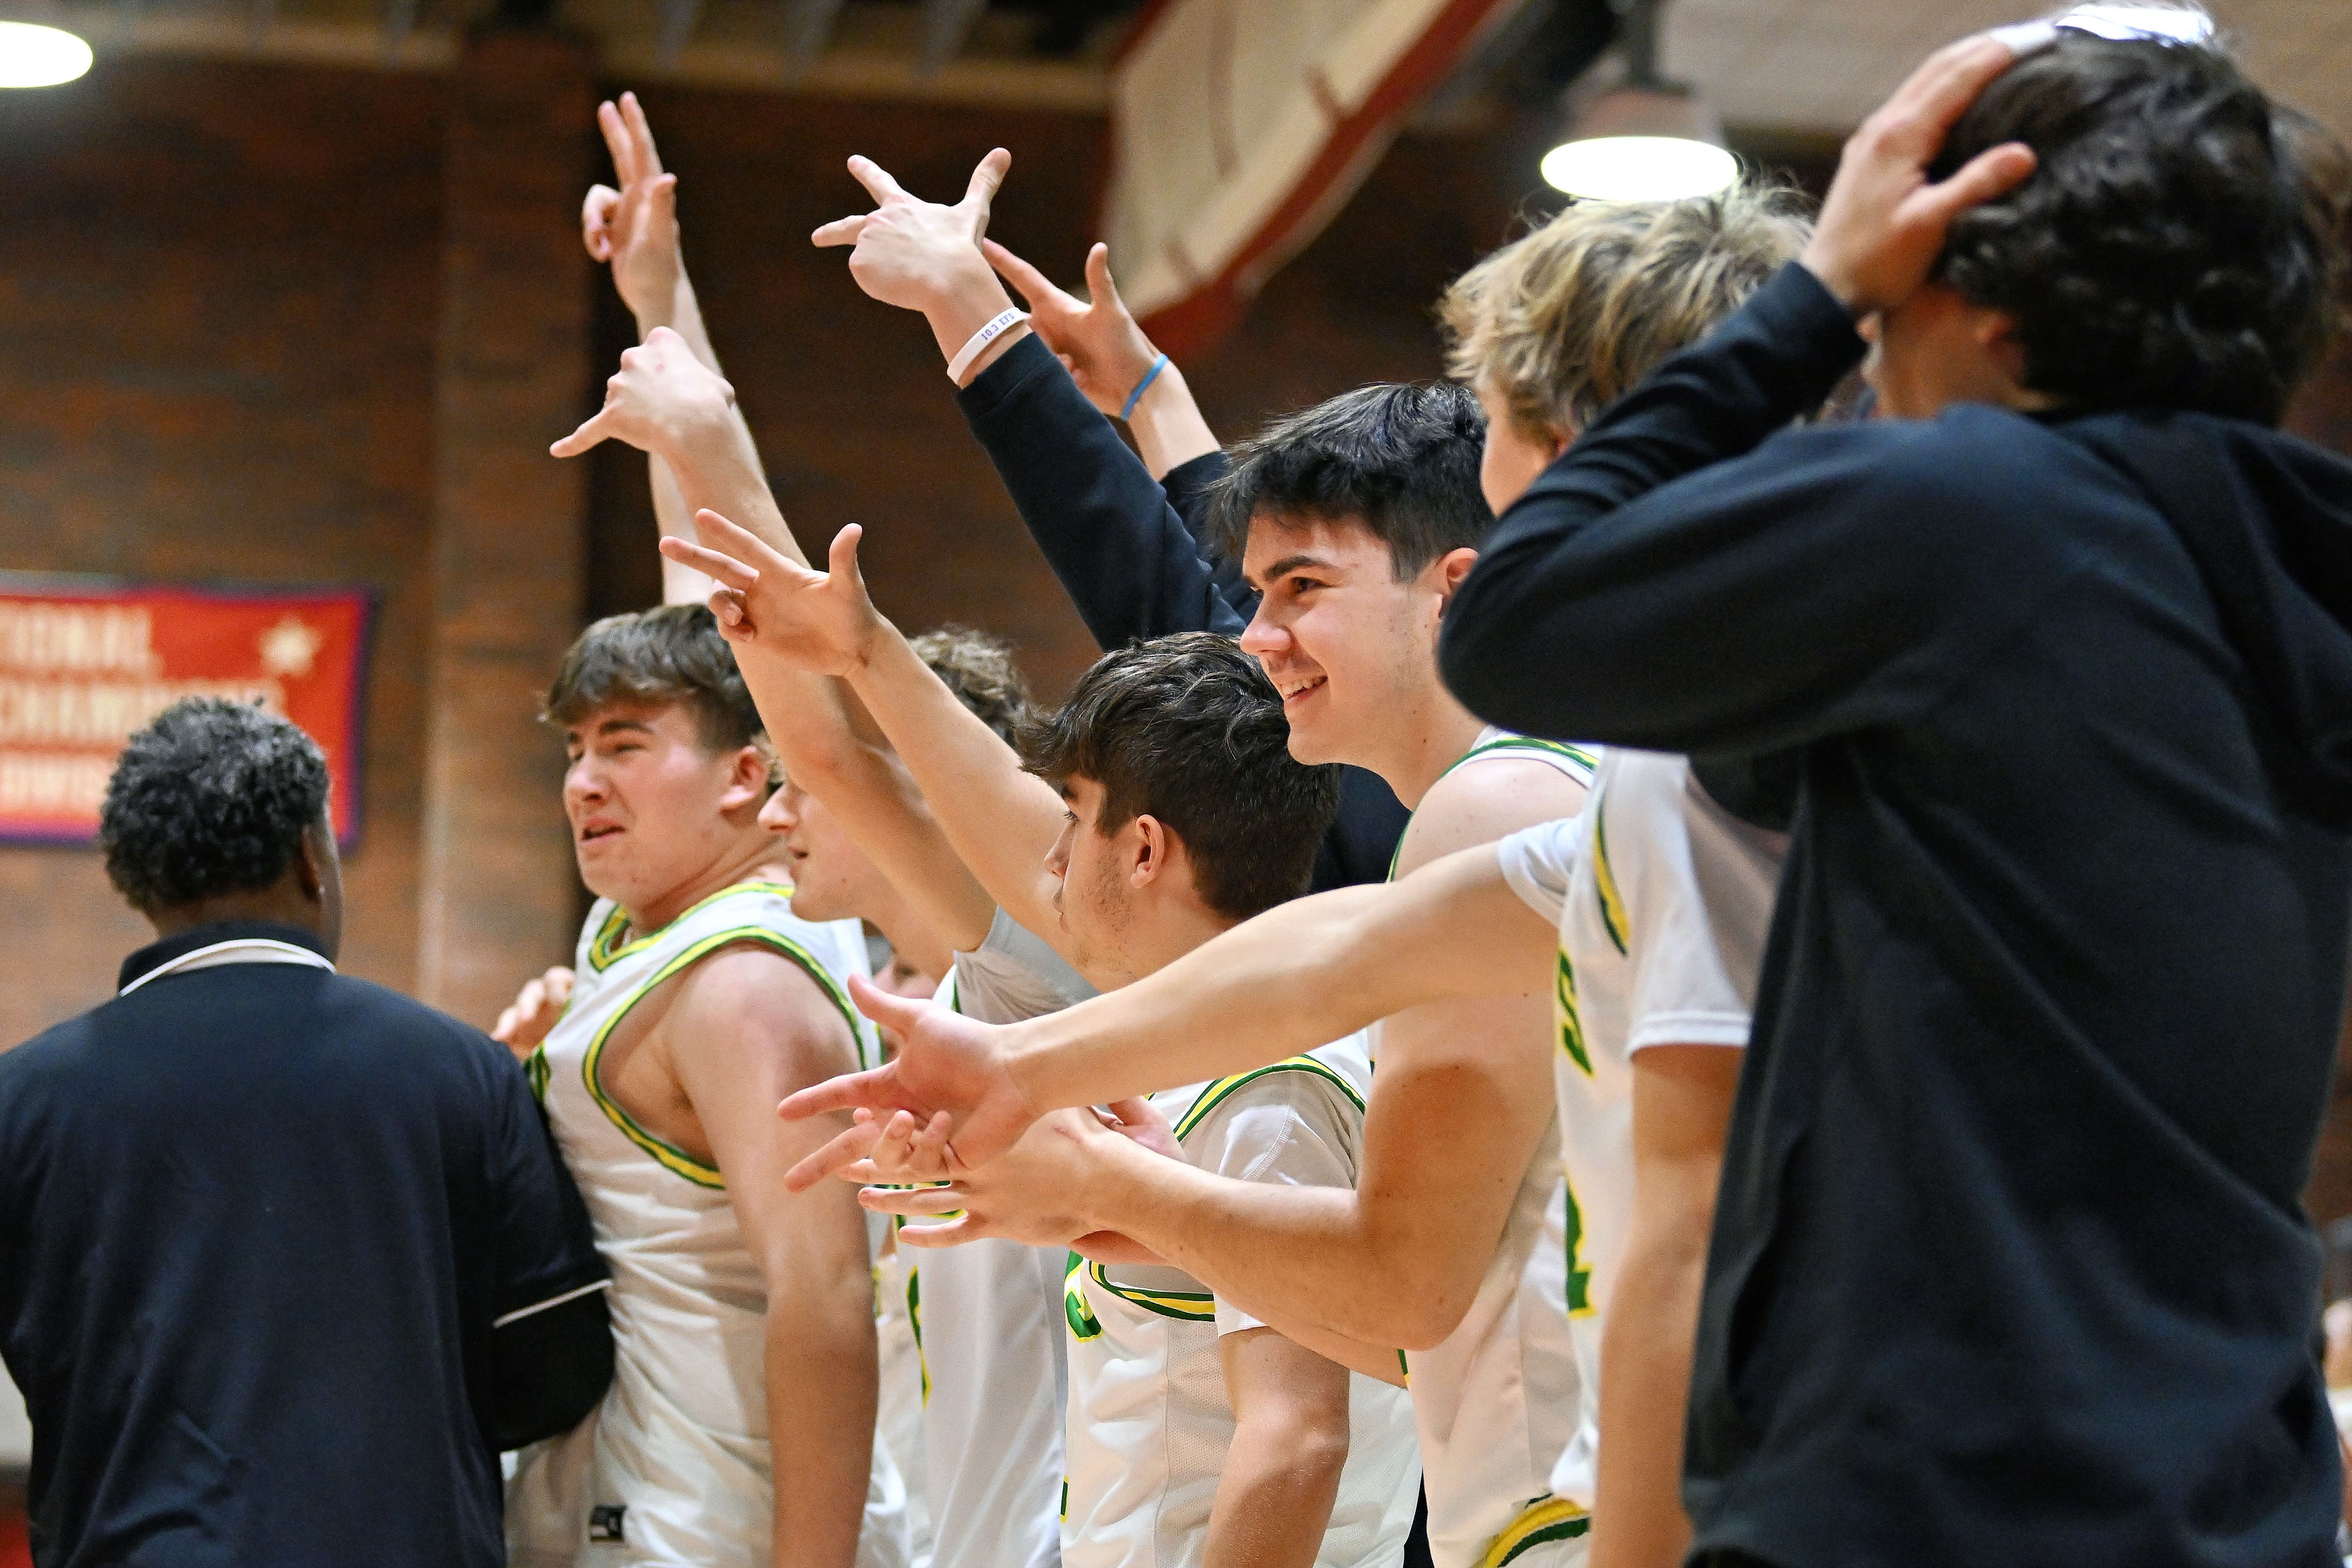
(2009, 1265)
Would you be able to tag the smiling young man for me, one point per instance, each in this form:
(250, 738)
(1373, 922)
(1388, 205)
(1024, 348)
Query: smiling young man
(1159, 806)
(739, 1427)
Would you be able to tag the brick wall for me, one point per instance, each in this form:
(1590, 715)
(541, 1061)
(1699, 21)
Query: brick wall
(222, 284)
(218, 289)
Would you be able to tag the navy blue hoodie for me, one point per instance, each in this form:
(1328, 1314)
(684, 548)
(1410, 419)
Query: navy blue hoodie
(2009, 1265)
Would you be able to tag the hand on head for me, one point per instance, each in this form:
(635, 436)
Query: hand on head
(947, 1062)
(659, 400)
(818, 622)
(1883, 222)
(635, 228)
(1105, 353)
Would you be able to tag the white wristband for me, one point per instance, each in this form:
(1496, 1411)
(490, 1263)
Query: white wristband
(981, 340)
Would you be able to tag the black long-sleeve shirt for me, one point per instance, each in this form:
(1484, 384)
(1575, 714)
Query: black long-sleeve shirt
(1128, 559)
(2009, 1265)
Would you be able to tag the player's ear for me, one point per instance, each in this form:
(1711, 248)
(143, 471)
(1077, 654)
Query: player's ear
(748, 773)
(1445, 573)
(1147, 844)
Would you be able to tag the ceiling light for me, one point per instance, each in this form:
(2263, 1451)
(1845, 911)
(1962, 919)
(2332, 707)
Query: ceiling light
(35, 56)
(1646, 140)
(1639, 168)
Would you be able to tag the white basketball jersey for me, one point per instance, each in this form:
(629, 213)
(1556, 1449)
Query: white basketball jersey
(674, 1466)
(1662, 900)
(988, 1316)
(1496, 1401)
(1149, 1419)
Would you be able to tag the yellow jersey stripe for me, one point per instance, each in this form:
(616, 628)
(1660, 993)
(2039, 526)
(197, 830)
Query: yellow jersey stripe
(667, 1154)
(1223, 1089)
(1544, 1520)
(602, 951)
(1187, 1306)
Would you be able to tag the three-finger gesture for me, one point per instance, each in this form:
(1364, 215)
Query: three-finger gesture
(919, 255)
(818, 622)
(1097, 339)
(659, 400)
(635, 228)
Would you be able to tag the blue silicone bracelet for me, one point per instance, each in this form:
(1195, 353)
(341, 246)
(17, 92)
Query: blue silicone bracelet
(1127, 411)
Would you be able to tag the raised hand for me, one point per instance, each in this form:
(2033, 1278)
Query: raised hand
(767, 604)
(660, 401)
(1097, 338)
(947, 1063)
(534, 1011)
(635, 228)
(1883, 223)
(924, 256)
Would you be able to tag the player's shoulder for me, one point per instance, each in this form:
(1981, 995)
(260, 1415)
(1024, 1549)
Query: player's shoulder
(1330, 1081)
(1500, 787)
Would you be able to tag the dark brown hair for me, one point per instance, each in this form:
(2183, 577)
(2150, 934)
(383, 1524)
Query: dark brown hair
(1188, 729)
(2177, 246)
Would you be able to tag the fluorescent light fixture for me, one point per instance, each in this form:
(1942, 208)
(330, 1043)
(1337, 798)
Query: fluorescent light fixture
(2174, 24)
(1639, 168)
(34, 56)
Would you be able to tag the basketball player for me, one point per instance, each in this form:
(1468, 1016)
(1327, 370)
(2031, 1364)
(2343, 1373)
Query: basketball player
(1194, 1433)
(1355, 520)
(992, 1367)
(699, 997)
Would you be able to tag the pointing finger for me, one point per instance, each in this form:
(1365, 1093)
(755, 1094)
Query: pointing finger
(617, 141)
(841, 231)
(724, 569)
(842, 1149)
(1031, 284)
(876, 180)
(954, 1233)
(1100, 286)
(591, 434)
(641, 135)
(982, 190)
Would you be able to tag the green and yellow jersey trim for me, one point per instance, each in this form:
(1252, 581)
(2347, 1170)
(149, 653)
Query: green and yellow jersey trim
(606, 948)
(915, 1322)
(1583, 758)
(1223, 1089)
(1084, 1325)
(1604, 882)
(666, 1153)
(1547, 1519)
(1571, 1022)
(1185, 1306)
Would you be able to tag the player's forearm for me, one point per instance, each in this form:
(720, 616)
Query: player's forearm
(1646, 1342)
(1291, 1257)
(1000, 821)
(1167, 425)
(822, 1373)
(1300, 975)
(875, 802)
(1280, 1478)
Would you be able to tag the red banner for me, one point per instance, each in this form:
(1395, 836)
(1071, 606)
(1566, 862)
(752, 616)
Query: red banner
(83, 664)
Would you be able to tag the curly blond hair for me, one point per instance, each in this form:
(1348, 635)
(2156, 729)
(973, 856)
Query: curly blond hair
(1563, 321)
